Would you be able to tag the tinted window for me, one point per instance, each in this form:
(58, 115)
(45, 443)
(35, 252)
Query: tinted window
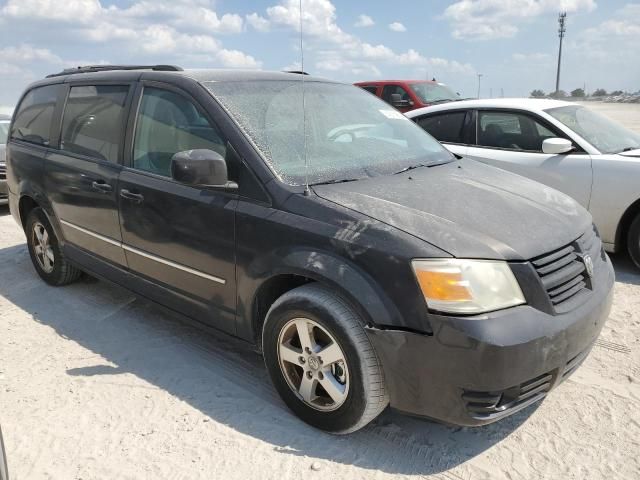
(33, 119)
(445, 127)
(389, 90)
(372, 89)
(167, 124)
(514, 131)
(93, 121)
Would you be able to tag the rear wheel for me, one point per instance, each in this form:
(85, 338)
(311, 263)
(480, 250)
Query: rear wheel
(321, 361)
(633, 241)
(46, 254)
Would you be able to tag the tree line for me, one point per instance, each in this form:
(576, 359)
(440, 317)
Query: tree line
(577, 93)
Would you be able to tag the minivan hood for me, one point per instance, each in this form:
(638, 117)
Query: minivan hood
(468, 209)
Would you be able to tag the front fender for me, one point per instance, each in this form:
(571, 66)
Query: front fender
(359, 288)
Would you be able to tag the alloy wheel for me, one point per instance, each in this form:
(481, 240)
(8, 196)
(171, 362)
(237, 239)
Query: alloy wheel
(42, 247)
(313, 364)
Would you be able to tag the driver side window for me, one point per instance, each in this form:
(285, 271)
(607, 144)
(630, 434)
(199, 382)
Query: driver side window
(511, 131)
(391, 89)
(168, 123)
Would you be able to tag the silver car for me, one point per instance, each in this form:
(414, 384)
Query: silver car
(4, 130)
(563, 145)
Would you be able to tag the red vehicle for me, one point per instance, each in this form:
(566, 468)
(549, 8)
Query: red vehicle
(408, 95)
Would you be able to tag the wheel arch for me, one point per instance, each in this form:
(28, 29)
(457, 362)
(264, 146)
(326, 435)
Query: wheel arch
(627, 218)
(305, 266)
(25, 205)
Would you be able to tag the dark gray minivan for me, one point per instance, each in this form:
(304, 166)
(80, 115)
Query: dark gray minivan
(369, 264)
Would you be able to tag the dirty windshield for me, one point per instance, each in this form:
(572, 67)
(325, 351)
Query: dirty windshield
(350, 134)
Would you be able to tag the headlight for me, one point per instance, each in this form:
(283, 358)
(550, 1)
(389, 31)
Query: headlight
(467, 286)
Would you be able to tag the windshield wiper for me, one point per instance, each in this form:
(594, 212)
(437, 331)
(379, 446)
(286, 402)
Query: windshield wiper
(628, 149)
(330, 182)
(410, 167)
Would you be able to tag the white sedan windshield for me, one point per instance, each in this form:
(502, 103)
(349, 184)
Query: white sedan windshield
(604, 134)
(349, 133)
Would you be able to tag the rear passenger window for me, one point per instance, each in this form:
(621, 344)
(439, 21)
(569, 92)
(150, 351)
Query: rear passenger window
(33, 119)
(93, 121)
(445, 127)
(167, 124)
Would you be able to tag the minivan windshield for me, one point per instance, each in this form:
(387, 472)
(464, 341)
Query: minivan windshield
(4, 131)
(350, 134)
(604, 134)
(433, 92)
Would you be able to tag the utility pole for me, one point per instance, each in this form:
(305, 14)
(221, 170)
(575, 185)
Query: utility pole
(479, 77)
(561, 30)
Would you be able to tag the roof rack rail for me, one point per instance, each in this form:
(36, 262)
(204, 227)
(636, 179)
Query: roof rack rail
(297, 72)
(106, 68)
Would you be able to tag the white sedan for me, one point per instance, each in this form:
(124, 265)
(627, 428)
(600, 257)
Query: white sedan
(566, 146)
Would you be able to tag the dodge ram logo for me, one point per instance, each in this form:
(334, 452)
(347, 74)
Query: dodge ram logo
(588, 264)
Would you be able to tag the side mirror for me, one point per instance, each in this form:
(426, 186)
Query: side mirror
(396, 101)
(204, 168)
(555, 146)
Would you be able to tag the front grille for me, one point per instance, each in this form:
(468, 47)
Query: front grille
(484, 405)
(3, 172)
(563, 272)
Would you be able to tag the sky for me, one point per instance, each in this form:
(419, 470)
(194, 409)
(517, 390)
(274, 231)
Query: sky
(512, 43)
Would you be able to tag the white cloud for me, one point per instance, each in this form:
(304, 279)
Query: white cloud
(259, 23)
(531, 57)
(613, 41)
(67, 10)
(490, 19)
(170, 28)
(25, 54)
(364, 21)
(397, 27)
(237, 59)
(338, 51)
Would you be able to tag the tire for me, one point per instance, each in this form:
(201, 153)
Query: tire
(633, 241)
(356, 380)
(52, 266)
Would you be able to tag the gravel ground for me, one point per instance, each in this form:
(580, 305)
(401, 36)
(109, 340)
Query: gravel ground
(96, 383)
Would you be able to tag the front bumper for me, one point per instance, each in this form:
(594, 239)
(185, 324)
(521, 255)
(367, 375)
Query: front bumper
(474, 371)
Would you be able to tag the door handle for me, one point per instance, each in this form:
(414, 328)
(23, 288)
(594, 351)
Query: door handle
(134, 197)
(101, 186)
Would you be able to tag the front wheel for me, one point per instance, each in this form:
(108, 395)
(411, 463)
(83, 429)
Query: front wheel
(321, 361)
(633, 241)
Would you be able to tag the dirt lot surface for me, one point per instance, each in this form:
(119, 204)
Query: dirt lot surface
(97, 384)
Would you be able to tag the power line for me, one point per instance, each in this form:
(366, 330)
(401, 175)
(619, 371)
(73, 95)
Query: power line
(561, 31)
